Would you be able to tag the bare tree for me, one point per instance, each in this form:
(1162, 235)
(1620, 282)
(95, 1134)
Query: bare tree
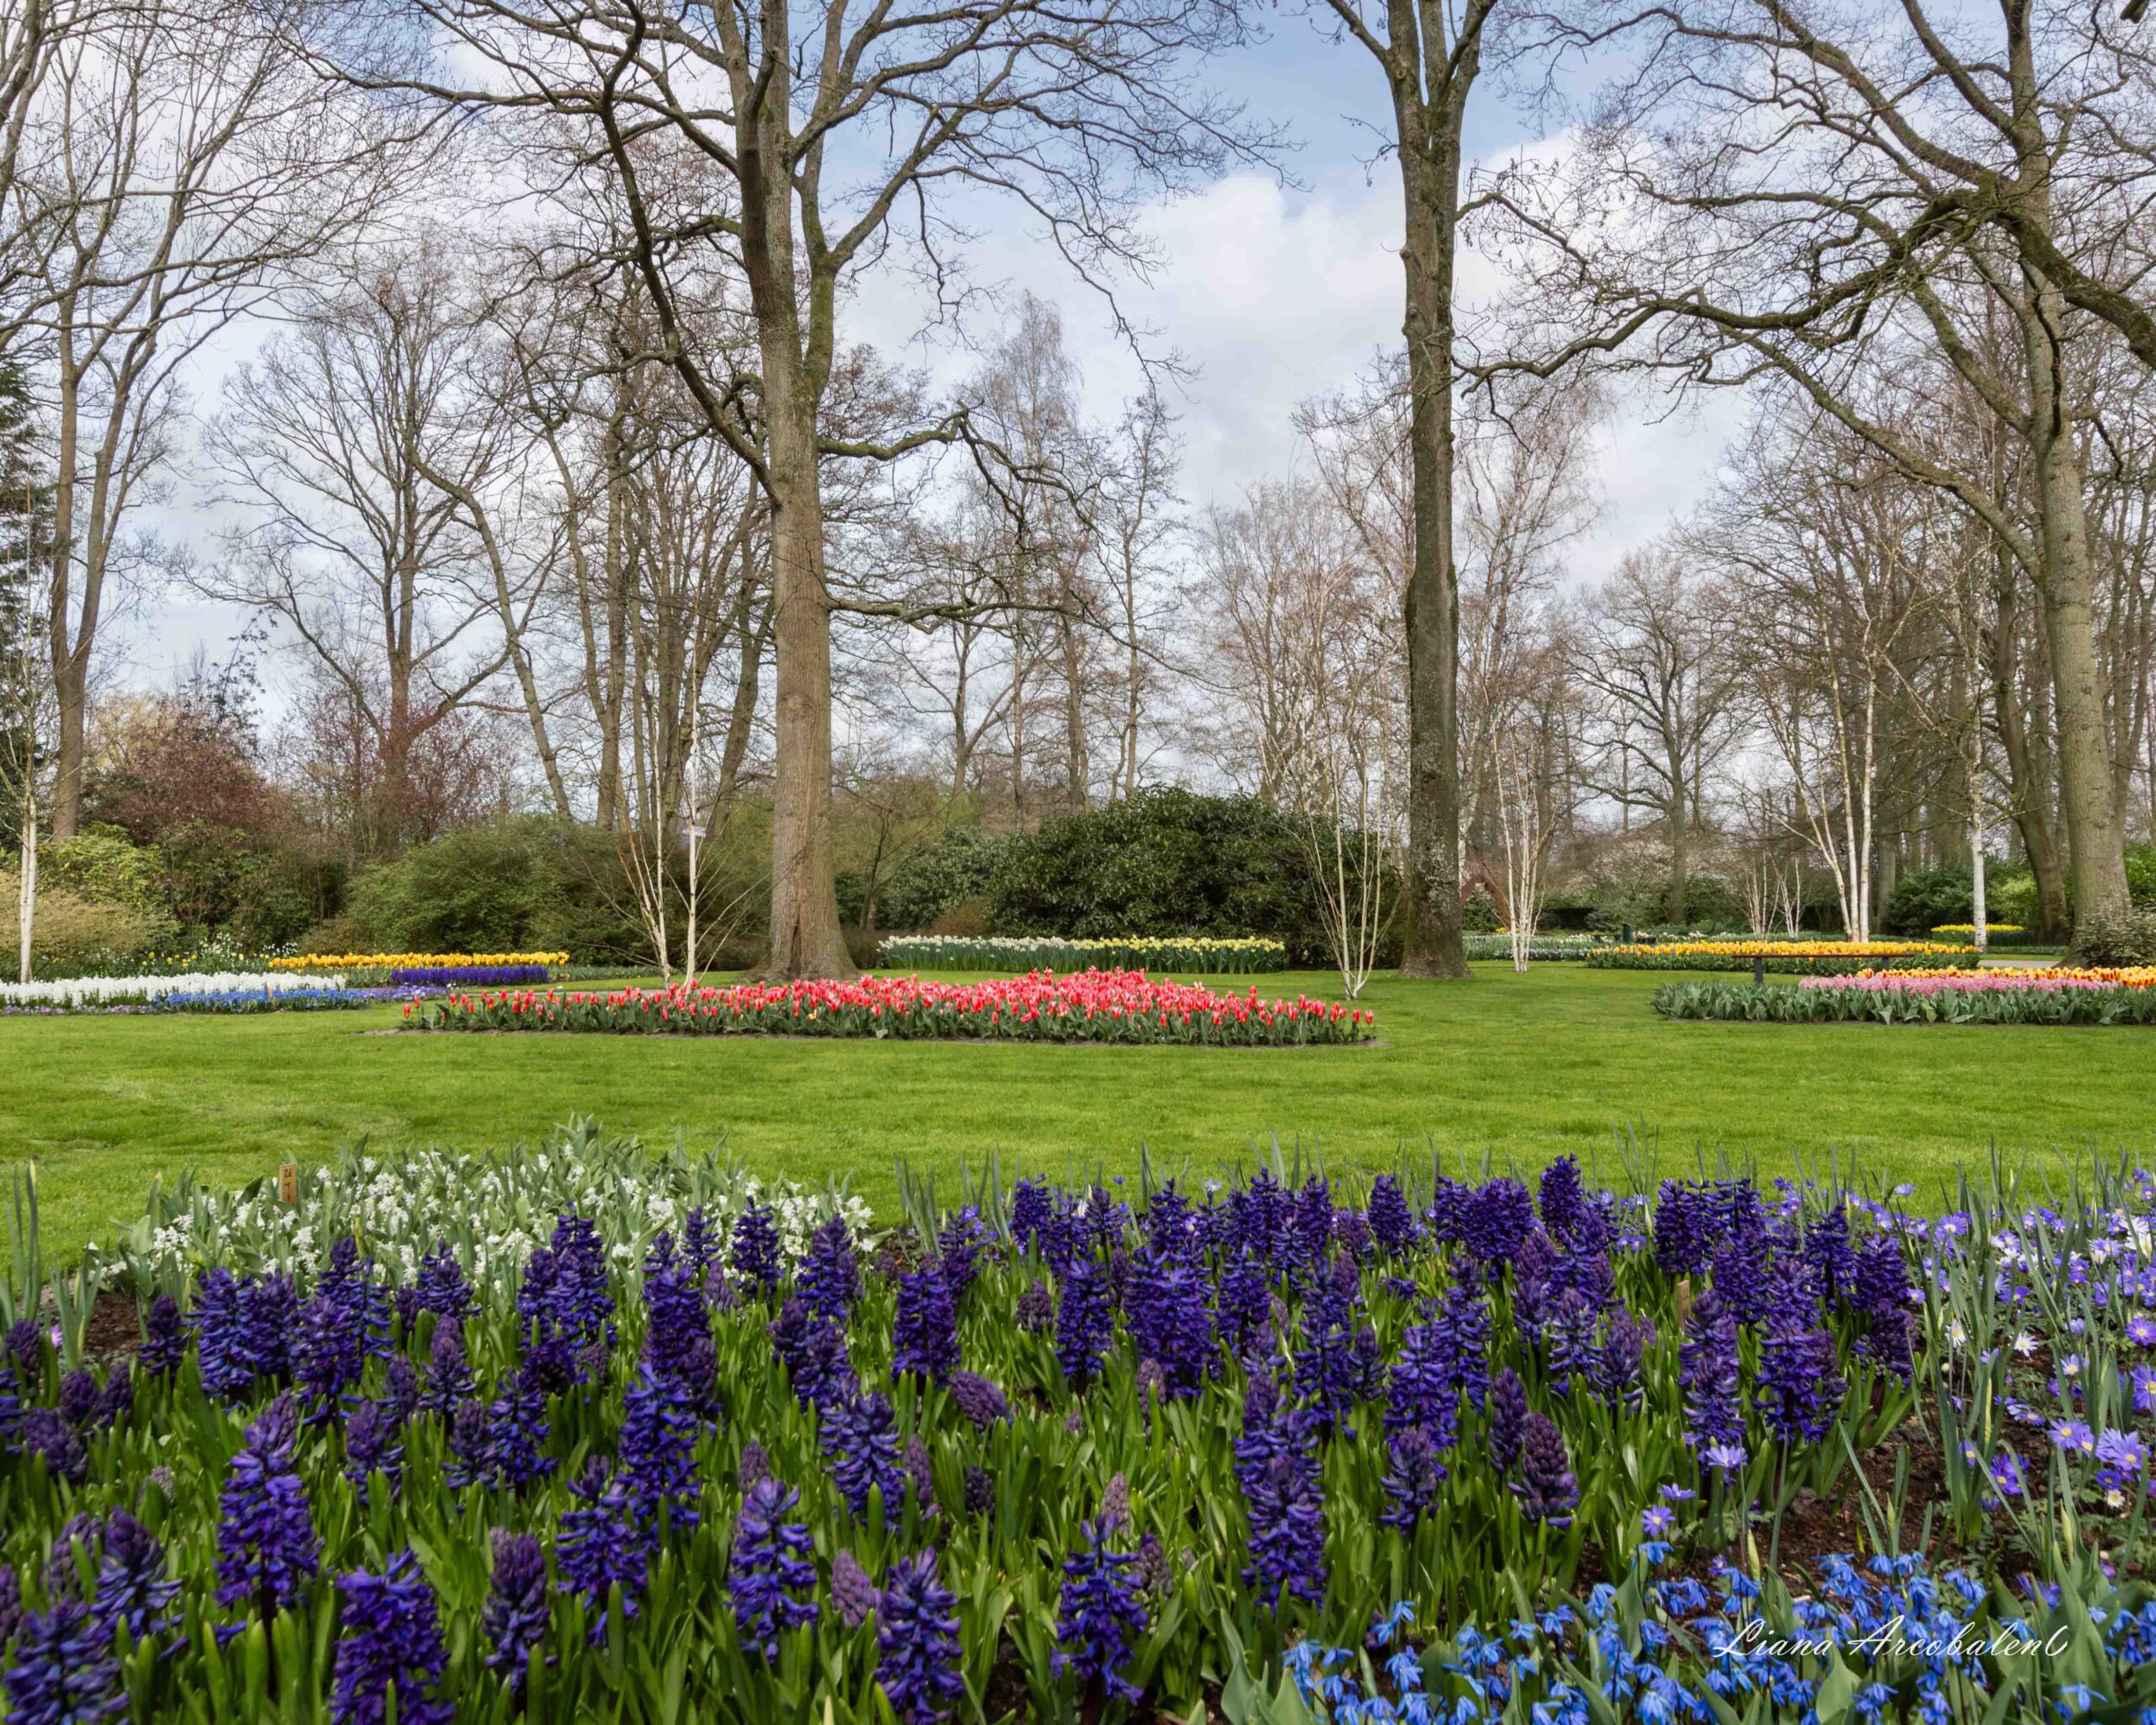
(329, 440)
(1657, 653)
(833, 137)
(1770, 191)
(177, 161)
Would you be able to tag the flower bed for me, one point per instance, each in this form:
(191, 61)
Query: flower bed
(173, 991)
(1066, 1457)
(395, 961)
(1559, 946)
(2052, 996)
(1096, 1006)
(1201, 954)
(1809, 958)
(467, 975)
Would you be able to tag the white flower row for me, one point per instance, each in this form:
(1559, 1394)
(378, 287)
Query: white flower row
(491, 1209)
(111, 991)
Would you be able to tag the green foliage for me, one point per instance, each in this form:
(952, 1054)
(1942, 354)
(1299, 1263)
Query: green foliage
(258, 896)
(953, 870)
(1920, 902)
(525, 883)
(2141, 873)
(1167, 862)
(1779, 1004)
(2010, 897)
(1479, 914)
(2103, 939)
(103, 863)
(73, 933)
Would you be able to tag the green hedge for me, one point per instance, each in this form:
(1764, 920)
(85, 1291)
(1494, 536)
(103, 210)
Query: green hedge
(1780, 963)
(1780, 1004)
(1015, 953)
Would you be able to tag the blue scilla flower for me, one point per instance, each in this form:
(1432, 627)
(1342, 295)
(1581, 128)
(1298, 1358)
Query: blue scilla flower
(859, 1442)
(1101, 1614)
(64, 1673)
(602, 1544)
(917, 1642)
(267, 1547)
(515, 1616)
(390, 1637)
(771, 1570)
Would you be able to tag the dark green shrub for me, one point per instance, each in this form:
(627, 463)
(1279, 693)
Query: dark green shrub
(955, 866)
(1479, 914)
(1922, 901)
(1167, 861)
(2141, 873)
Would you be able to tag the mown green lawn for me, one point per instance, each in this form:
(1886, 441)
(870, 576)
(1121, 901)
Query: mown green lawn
(1524, 1067)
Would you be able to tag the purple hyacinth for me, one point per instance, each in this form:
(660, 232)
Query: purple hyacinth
(852, 1593)
(1508, 1413)
(1685, 1227)
(603, 1543)
(1547, 1489)
(1421, 1391)
(1464, 1328)
(1564, 1197)
(1413, 1474)
(1030, 1208)
(1082, 1322)
(830, 1276)
(978, 1399)
(1880, 1295)
(1392, 1219)
(267, 1547)
(372, 1446)
(1708, 1373)
(517, 1428)
(1615, 1369)
(957, 1252)
(164, 1338)
(1828, 1251)
(754, 1255)
(134, 1589)
(925, 1325)
(11, 1605)
(1336, 1366)
(401, 1389)
(772, 1572)
(54, 1439)
(658, 1449)
(579, 1304)
(448, 1381)
(390, 1637)
(223, 1343)
(64, 1673)
(856, 1433)
(273, 1322)
(515, 1617)
(1494, 1221)
(1100, 1616)
(1570, 1338)
(1285, 1501)
(917, 1642)
(1036, 1309)
(1799, 1392)
(813, 1350)
(677, 1332)
(1170, 1326)
(1244, 1305)
(441, 1287)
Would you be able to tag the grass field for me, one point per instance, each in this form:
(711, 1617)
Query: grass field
(1526, 1067)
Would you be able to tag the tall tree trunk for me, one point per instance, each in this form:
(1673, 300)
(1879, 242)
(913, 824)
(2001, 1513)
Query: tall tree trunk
(1429, 165)
(805, 940)
(2027, 786)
